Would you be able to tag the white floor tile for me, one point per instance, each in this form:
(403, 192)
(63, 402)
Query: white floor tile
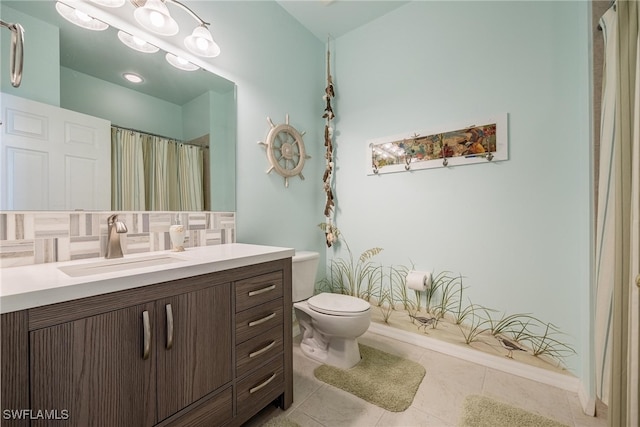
(447, 382)
(411, 417)
(437, 403)
(331, 407)
(530, 395)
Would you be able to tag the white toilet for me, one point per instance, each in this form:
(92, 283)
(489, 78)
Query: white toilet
(329, 323)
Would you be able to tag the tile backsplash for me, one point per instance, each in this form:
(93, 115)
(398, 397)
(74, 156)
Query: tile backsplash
(38, 237)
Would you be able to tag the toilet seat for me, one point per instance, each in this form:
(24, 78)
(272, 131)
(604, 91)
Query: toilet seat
(337, 304)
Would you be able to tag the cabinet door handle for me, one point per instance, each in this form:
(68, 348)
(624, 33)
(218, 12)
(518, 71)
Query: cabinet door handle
(264, 384)
(169, 326)
(146, 325)
(264, 319)
(263, 290)
(262, 350)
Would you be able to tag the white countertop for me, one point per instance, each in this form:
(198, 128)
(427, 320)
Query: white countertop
(41, 284)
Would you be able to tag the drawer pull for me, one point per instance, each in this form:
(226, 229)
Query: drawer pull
(262, 350)
(261, 321)
(263, 290)
(169, 326)
(264, 384)
(146, 325)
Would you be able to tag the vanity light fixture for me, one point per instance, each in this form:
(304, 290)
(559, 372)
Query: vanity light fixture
(155, 17)
(201, 43)
(80, 18)
(136, 43)
(180, 63)
(133, 78)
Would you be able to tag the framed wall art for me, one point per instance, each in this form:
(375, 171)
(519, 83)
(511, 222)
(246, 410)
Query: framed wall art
(482, 140)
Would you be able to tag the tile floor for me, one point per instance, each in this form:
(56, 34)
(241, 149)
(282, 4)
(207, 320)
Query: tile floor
(437, 403)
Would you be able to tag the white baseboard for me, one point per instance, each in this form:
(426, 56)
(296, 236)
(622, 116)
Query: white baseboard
(555, 379)
(588, 402)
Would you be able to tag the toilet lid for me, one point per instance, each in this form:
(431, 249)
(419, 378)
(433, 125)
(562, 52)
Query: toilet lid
(337, 304)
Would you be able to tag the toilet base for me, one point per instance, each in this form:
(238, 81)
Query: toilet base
(342, 353)
(331, 339)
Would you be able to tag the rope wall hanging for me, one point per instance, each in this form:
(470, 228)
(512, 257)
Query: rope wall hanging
(327, 178)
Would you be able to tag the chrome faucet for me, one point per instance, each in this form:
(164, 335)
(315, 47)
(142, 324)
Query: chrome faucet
(114, 249)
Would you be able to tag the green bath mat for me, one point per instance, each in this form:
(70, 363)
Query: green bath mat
(481, 411)
(280, 421)
(383, 379)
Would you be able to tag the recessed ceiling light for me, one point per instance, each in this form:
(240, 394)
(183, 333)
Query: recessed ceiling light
(133, 78)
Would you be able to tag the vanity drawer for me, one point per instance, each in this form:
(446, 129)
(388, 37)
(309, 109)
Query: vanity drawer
(215, 410)
(261, 387)
(258, 290)
(258, 350)
(256, 321)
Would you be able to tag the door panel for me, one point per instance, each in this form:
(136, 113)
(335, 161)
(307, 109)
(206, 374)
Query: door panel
(199, 360)
(52, 156)
(91, 372)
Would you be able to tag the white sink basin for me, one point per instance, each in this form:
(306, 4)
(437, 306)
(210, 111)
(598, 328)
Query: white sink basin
(111, 265)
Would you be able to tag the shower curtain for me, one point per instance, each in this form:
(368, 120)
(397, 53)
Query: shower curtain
(190, 170)
(155, 173)
(617, 257)
(127, 171)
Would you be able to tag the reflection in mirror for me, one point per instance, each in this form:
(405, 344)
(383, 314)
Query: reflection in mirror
(82, 71)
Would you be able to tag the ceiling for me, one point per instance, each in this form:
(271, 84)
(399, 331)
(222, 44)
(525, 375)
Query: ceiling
(334, 18)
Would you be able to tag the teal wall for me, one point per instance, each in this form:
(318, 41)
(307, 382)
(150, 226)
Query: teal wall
(41, 76)
(222, 154)
(214, 114)
(423, 65)
(196, 117)
(517, 230)
(121, 106)
(279, 69)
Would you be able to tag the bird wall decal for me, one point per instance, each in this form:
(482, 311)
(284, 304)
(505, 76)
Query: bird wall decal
(423, 321)
(510, 346)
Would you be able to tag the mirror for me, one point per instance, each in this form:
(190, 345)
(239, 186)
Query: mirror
(183, 105)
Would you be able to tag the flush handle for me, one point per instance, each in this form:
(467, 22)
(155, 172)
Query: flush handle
(169, 326)
(262, 291)
(261, 321)
(146, 327)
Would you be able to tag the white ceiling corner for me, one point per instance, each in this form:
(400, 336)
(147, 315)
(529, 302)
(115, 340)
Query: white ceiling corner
(334, 18)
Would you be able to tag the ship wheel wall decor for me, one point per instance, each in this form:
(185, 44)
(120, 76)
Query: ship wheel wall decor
(285, 150)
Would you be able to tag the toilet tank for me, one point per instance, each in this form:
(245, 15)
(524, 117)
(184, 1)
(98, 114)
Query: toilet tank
(303, 274)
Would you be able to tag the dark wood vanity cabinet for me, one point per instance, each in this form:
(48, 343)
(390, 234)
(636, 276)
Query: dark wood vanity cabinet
(201, 351)
(92, 371)
(193, 347)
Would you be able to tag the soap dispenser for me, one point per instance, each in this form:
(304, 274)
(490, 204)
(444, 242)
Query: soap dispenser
(177, 233)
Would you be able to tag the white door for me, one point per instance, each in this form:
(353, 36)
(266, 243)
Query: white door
(52, 158)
